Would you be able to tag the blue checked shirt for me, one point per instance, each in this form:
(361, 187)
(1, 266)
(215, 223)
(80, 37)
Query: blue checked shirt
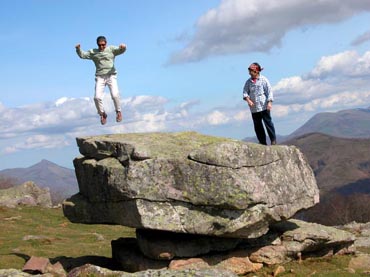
(259, 92)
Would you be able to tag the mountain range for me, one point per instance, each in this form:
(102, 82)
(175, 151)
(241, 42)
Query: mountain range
(354, 123)
(339, 164)
(61, 181)
(337, 146)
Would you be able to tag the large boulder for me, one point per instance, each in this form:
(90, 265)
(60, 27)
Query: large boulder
(28, 194)
(189, 183)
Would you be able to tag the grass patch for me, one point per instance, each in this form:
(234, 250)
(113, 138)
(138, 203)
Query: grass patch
(45, 232)
(336, 266)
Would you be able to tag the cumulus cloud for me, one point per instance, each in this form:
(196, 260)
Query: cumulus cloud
(335, 80)
(37, 142)
(239, 26)
(348, 63)
(56, 124)
(143, 102)
(217, 117)
(45, 117)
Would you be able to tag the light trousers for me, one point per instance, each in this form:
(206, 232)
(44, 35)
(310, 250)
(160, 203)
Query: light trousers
(101, 82)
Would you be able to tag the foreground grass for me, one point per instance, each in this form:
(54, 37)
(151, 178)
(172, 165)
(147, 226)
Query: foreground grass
(336, 266)
(43, 232)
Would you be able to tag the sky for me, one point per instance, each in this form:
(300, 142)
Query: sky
(184, 69)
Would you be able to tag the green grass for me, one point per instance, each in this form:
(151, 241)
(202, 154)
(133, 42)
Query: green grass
(57, 238)
(336, 266)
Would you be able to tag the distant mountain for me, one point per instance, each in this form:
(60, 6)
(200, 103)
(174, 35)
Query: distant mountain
(354, 123)
(61, 181)
(339, 164)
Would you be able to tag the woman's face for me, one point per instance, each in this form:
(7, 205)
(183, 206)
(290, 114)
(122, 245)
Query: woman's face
(253, 73)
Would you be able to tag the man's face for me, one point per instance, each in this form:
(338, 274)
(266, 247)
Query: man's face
(102, 44)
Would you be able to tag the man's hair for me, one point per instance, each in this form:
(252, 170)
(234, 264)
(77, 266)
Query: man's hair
(101, 38)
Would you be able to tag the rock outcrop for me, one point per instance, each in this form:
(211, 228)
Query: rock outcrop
(362, 231)
(189, 183)
(189, 196)
(28, 194)
(286, 241)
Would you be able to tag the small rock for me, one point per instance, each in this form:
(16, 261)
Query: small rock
(36, 265)
(239, 265)
(278, 270)
(192, 263)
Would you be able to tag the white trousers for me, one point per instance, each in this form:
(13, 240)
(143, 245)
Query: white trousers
(101, 82)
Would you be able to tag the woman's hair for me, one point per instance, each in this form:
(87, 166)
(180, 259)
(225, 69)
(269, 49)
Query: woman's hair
(101, 38)
(258, 66)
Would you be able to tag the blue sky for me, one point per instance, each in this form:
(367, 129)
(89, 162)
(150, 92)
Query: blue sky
(184, 68)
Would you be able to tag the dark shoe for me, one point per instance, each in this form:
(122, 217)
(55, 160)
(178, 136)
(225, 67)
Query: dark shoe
(103, 118)
(273, 142)
(118, 116)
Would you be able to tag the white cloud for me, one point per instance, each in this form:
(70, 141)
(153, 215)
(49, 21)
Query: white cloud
(45, 125)
(45, 117)
(281, 111)
(346, 63)
(144, 101)
(62, 100)
(242, 115)
(217, 118)
(37, 142)
(337, 76)
(297, 89)
(239, 26)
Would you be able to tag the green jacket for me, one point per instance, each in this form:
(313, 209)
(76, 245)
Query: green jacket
(103, 60)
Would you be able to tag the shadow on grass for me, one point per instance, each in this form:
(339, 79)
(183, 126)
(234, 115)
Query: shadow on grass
(69, 263)
(20, 255)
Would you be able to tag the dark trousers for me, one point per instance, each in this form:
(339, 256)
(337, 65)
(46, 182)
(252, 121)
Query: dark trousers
(264, 116)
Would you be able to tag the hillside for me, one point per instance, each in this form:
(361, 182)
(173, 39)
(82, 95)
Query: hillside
(354, 123)
(337, 162)
(61, 181)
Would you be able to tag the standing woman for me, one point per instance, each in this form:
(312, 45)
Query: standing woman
(258, 94)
